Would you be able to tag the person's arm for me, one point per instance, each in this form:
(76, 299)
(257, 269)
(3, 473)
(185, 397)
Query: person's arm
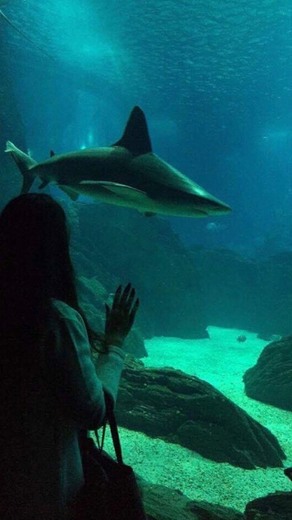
(119, 320)
(81, 385)
(78, 387)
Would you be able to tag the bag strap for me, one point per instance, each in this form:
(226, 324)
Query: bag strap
(111, 419)
(115, 434)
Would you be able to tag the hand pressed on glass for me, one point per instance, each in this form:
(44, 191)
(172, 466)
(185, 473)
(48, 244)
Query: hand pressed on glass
(120, 315)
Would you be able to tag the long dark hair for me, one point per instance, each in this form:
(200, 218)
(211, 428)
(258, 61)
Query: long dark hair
(35, 266)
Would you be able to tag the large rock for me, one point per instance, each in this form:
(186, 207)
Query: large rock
(183, 409)
(206, 511)
(183, 291)
(116, 245)
(162, 503)
(229, 287)
(270, 380)
(275, 506)
(246, 294)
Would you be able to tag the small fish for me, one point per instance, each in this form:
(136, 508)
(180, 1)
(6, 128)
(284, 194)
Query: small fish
(241, 339)
(126, 173)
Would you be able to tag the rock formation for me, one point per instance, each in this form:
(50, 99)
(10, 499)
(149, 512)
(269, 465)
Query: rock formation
(186, 410)
(114, 245)
(247, 294)
(270, 380)
(275, 506)
(162, 503)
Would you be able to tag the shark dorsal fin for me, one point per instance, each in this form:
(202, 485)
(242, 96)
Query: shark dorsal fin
(52, 153)
(136, 137)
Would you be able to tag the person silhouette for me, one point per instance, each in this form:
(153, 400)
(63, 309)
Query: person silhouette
(50, 389)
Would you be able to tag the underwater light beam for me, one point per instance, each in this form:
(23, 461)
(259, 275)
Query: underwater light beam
(23, 35)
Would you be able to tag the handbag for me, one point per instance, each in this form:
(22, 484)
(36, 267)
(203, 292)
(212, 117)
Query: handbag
(111, 491)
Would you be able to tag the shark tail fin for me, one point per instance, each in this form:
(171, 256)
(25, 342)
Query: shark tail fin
(24, 163)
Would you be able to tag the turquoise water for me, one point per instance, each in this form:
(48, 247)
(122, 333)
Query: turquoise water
(214, 81)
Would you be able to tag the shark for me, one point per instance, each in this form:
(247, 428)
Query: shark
(126, 173)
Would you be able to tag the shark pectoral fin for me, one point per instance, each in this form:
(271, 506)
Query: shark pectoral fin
(121, 190)
(71, 193)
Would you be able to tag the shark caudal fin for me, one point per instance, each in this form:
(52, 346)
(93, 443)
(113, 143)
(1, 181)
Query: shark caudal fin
(24, 163)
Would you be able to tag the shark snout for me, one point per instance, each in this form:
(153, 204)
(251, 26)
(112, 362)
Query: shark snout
(215, 207)
(222, 209)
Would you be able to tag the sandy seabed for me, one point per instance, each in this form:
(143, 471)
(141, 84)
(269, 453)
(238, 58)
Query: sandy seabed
(222, 361)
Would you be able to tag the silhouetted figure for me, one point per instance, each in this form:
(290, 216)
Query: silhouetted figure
(50, 389)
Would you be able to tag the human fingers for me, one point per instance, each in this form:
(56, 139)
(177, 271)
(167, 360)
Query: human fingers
(130, 299)
(117, 296)
(125, 294)
(132, 313)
